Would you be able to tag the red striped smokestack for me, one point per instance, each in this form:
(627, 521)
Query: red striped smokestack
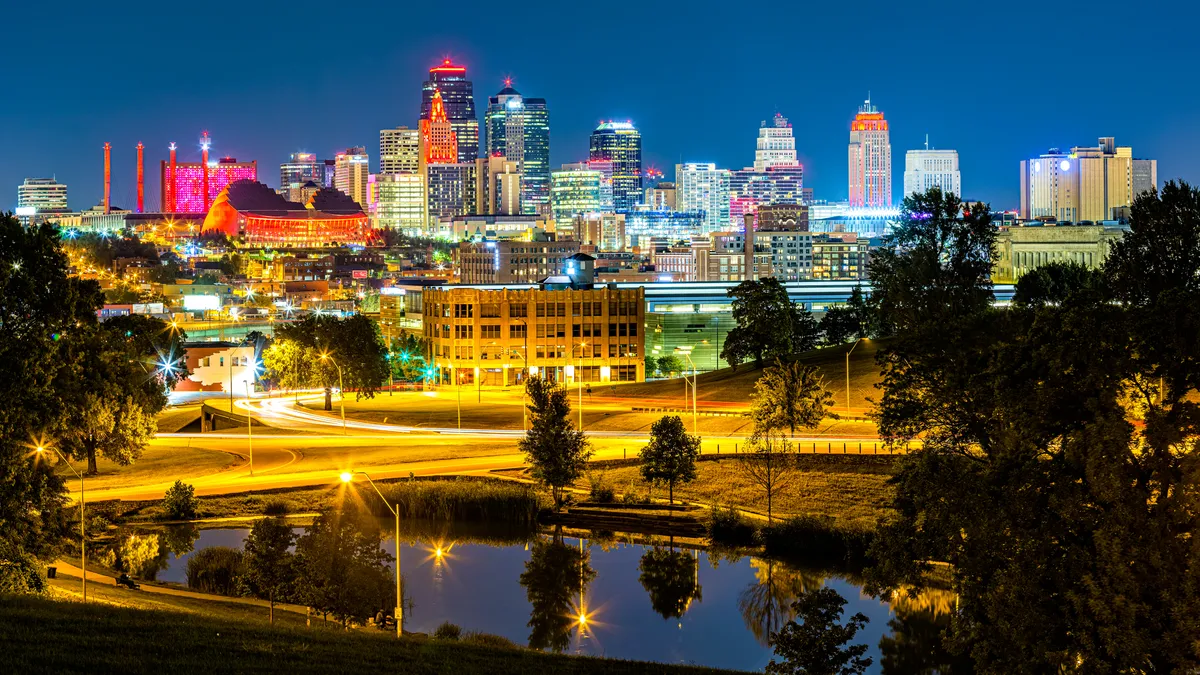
(141, 179)
(107, 176)
(204, 143)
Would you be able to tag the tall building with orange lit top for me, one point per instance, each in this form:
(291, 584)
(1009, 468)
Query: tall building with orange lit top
(439, 141)
(458, 101)
(870, 159)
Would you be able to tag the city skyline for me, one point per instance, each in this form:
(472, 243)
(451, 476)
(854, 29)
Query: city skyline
(1012, 113)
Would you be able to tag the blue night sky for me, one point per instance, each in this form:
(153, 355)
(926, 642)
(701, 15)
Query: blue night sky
(996, 81)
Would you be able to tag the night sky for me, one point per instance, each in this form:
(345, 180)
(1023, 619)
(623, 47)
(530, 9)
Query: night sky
(267, 79)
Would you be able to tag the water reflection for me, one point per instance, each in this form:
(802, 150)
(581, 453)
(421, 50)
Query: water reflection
(766, 604)
(555, 580)
(671, 578)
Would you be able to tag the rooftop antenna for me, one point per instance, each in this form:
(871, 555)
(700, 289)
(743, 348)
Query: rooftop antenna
(926, 141)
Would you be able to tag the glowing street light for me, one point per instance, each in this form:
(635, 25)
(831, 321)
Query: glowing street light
(348, 477)
(41, 450)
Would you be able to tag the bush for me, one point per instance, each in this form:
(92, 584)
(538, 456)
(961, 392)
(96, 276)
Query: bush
(816, 537)
(447, 631)
(490, 641)
(21, 572)
(215, 570)
(180, 501)
(462, 500)
(276, 507)
(601, 492)
(727, 527)
(630, 497)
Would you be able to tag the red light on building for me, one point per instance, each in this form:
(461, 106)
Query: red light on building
(183, 187)
(448, 67)
(438, 139)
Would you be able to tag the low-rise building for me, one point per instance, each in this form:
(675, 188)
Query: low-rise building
(513, 261)
(1023, 248)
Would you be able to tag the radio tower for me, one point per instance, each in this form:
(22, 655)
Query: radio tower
(169, 202)
(107, 176)
(205, 141)
(141, 178)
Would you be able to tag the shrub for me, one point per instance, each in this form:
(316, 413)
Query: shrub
(215, 570)
(727, 527)
(447, 631)
(630, 497)
(601, 491)
(462, 500)
(180, 501)
(817, 538)
(20, 572)
(490, 641)
(276, 507)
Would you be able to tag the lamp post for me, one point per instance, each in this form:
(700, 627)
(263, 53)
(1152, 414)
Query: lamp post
(525, 372)
(687, 354)
(579, 377)
(848, 371)
(249, 422)
(341, 389)
(348, 477)
(82, 522)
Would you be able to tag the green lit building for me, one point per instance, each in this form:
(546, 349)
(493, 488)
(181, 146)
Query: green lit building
(575, 193)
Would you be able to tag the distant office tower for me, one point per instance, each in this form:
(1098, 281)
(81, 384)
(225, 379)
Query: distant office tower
(400, 201)
(776, 145)
(300, 169)
(459, 102)
(351, 169)
(498, 186)
(399, 150)
(704, 188)
(186, 187)
(518, 129)
(439, 141)
(43, 195)
(870, 159)
(1145, 176)
(450, 190)
(329, 173)
(751, 188)
(574, 192)
(1087, 184)
(661, 196)
(620, 143)
(927, 168)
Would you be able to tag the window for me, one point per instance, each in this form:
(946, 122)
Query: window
(541, 330)
(464, 311)
(562, 309)
(562, 330)
(575, 332)
(464, 332)
(518, 331)
(541, 309)
(633, 330)
(612, 330)
(490, 310)
(612, 350)
(489, 332)
(521, 310)
(541, 352)
(222, 360)
(587, 309)
(597, 309)
(624, 328)
(575, 309)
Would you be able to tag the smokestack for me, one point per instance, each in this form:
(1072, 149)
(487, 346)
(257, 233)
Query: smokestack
(107, 176)
(204, 143)
(169, 202)
(141, 179)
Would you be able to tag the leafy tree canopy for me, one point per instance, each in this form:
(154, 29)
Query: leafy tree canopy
(556, 451)
(769, 324)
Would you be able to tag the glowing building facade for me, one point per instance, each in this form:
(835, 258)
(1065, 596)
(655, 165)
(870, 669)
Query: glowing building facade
(351, 169)
(458, 98)
(400, 202)
(1086, 184)
(183, 183)
(399, 150)
(870, 159)
(439, 140)
(261, 217)
(776, 145)
(704, 188)
(621, 144)
(518, 129)
(576, 192)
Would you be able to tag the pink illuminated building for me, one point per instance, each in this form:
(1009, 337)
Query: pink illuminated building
(185, 190)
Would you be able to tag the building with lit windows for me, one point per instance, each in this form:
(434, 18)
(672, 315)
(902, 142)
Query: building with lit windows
(604, 231)
(399, 150)
(457, 94)
(498, 186)
(40, 197)
(262, 218)
(870, 159)
(351, 169)
(925, 169)
(839, 257)
(400, 202)
(751, 188)
(450, 191)
(661, 196)
(561, 330)
(1085, 184)
(703, 188)
(510, 261)
(576, 192)
(776, 145)
(518, 129)
(621, 144)
(301, 168)
(1020, 249)
(187, 195)
(641, 225)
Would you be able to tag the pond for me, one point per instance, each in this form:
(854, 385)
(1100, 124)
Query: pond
(652, 603)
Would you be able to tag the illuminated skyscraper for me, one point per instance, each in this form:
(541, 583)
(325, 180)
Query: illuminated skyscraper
(459, 101)
(1091, 184)
(351, 169)
(776, 145)
(870, 159)
(439, 141)
(518, 129)
(704, 188)
(621, 144)
(399, 150)
(574, 192)
(400, 201)
(301, 168)
(924, 169)
(45, 195)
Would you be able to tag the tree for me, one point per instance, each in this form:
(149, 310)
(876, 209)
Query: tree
(839, 325)
(343, 571)
(289, 364)
(670, 457)
(651, 365)
(817, 645)
(554, 576)
(556, 451)
(787, 396)
(353, 344)
(766, 604)
(769, 324)
(670, 363)
(1054, 283)
(269, 566)
(112, 428)
(770, 464)
(670, 579)
(861, 307)
(180, 501)
(407, 358)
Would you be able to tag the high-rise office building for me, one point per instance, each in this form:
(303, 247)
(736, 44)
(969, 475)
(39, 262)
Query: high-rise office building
(661, 196)
(301, 169)
(704, 188)
(439, 140)
(399, 150)
(450, 191)
(518, 129)
(924, 169)
(498, 186)
(459, 103)
(1145, 176)
(184, 190)
(574, 192)
(776, 145)
(400, 202)
(1086, 184)
(870, 159)
(43, 195)
(329, 171)
(351, 169)
(751, 188)
(621, 144)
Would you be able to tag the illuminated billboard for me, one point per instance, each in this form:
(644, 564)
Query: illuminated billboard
(196, 303)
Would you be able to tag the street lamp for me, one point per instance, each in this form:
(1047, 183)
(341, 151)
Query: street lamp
(348, 477)
(82, 523)
(341, 389)
(249, 422)
(525, 373)
(848, 372)
(579, 377)
(687, 354)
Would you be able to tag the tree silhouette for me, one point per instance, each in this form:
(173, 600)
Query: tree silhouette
(670, 579)
(766, 604)
(554, 577)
